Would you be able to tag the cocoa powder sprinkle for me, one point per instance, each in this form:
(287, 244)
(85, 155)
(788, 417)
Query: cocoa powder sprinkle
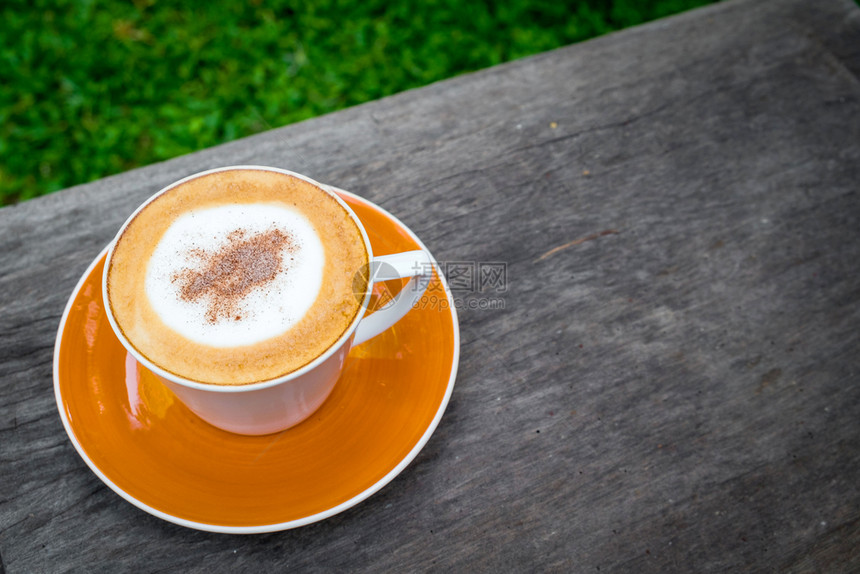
(244, 263)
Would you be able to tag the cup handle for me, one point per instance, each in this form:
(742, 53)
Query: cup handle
(414, 264)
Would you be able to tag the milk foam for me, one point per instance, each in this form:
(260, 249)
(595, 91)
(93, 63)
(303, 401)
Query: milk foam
(265, 311)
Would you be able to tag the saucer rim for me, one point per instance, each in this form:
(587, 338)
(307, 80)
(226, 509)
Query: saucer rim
(273, 527)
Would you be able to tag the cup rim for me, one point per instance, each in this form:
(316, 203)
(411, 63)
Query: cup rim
(240, 388)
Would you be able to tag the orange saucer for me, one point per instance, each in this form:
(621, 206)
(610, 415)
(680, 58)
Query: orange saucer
(150, 449)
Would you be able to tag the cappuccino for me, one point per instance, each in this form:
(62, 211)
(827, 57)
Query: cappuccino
(236, 276)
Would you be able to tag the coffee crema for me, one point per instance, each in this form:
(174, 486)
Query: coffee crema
(236, 277)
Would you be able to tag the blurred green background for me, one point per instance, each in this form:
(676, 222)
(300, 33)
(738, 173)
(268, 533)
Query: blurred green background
(88, 89)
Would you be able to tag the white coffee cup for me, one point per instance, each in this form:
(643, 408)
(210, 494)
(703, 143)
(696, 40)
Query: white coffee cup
(278, 404)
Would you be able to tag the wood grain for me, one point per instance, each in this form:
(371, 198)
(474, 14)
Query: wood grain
(672, 384)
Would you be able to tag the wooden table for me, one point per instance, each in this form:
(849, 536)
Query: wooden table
(673, 381)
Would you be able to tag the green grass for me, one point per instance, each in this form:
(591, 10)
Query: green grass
(88, 89)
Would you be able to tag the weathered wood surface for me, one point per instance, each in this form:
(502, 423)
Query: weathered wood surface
(681, 393)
